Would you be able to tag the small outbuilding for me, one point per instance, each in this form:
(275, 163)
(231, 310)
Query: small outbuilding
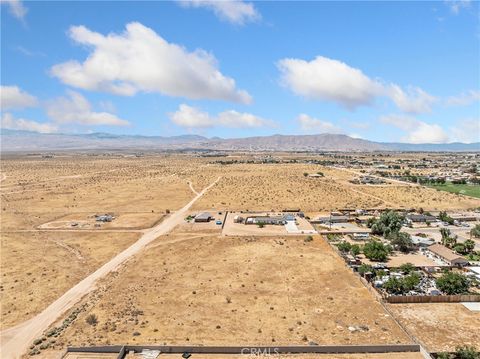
(203, 217)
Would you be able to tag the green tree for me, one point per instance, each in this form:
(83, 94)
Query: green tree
(393, 286)
(389, 223)
(469, 245)
(407, 268)
(365, 268)
(445, 217)
(402, 241)
(475, 231)
(376, 251)
(453, 283)
(447, 239)
(344, 247)
(355, 250)
(402, 285)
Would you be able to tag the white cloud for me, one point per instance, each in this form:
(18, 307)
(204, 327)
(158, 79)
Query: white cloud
(77, 109)
(416, 131)
(16, 8)
(235, 11)
(456, 5)
(10, 122)
(464, 99)
(332, 80)
(191, 117)
(328, 79)
(12, 97)
(467, 130)
(310, 124)
(141, 60)
(415, 101)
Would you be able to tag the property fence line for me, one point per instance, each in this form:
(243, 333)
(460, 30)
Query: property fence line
(235, 350)
(394, 299)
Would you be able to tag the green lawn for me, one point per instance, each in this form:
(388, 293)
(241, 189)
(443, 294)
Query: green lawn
(466, 189)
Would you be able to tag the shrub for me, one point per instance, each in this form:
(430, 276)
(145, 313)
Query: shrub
(91, 319)
(376, 251)
(453, 283)
(344, 247)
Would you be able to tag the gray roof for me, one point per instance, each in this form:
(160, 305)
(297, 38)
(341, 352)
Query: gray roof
(203, 215)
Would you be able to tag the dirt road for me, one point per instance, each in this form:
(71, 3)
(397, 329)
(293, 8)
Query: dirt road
(16, 340)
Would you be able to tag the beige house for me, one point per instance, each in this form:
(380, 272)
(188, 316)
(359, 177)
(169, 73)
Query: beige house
(447, 255)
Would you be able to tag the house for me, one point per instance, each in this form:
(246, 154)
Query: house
(203, 217)
(420, 218)
(439, 251)
(422, 242)
(334, 219)
(266, 220)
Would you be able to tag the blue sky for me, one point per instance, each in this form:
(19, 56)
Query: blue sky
(383, 71)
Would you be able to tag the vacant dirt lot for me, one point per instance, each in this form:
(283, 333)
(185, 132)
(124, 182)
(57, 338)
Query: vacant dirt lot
(440, 326)
(37, 267)
(210, 290)
(267, 187)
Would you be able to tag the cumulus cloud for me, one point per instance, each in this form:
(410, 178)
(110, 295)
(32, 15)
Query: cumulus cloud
(464, 99)
(76, 109)
(467, 130)
(12, 97)
(141, 60)
(12, 123)
(234, 11)
(310, 124)
(332, 80)
(415, 100)
(191, 117)
(328, 79)
(16, 8)
(416, 131)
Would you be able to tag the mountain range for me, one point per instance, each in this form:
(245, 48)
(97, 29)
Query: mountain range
(18, 141)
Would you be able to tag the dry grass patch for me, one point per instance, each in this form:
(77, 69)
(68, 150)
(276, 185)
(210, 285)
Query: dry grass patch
(38, 267)
(211, 290)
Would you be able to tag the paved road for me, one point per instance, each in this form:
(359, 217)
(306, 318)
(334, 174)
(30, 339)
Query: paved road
(16, 340)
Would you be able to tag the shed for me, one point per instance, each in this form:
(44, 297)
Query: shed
(203, 217)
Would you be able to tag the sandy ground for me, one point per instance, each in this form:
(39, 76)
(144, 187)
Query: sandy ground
(277, 187)
(38, 267)
(16, 340)
(213, 290)
(35, 191)
(440, 326)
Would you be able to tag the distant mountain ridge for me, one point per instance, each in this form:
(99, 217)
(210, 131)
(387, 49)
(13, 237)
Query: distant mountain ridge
(16, 140)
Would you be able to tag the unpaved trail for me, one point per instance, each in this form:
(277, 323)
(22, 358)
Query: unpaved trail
(191, 187)
(16, 340)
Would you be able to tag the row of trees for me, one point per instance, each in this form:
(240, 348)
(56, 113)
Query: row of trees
(389, 225)
(373, 250)
(450, 241)
(450, 283)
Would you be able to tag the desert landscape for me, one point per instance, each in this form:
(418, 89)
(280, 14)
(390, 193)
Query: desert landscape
(194, 283)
